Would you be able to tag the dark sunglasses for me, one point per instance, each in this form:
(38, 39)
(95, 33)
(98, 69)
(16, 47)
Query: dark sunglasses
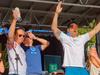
(20, 35)
(27, 37)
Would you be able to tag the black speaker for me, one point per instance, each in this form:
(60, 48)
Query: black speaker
(97, 19)
(98, 43)
(0, 18)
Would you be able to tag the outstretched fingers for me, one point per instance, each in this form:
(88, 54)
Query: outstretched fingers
(59, 8)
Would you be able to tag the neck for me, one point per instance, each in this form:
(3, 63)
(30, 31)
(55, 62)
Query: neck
(25, 44)
(28, 44)
(18, 43)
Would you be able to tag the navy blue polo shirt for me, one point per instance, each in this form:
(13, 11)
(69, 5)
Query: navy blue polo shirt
(33, 59)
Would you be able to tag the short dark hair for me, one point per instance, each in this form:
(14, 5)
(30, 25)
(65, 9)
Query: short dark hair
(18, 28)
(69, 24)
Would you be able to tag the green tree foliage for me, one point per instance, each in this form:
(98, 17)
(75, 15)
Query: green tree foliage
(84, 29)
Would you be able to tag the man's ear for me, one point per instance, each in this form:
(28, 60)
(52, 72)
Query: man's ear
(67, 30)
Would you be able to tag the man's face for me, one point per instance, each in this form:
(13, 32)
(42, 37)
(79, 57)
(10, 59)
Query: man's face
(28, 40)
(19, 36)
(93, 50)
(73, 30)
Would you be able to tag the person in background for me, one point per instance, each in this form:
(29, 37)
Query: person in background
(93, 63)
(93, 57)
(33, 55)
(2, 69)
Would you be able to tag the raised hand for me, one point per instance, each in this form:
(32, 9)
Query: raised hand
(59, 8)
(93, 52)
(31, 35)
(15, 14)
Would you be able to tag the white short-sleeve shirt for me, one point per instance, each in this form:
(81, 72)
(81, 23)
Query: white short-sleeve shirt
(12, 61)
(73, 49)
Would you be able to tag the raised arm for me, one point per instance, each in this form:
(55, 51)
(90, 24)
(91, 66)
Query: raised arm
(12, 27)
(94, 31)
(54, 28)
(44, 42)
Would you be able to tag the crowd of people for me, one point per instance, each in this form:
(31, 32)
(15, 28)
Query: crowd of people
(29, 57)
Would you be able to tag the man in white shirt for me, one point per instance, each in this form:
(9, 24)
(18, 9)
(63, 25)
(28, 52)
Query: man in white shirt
(73, 45)
(15, 38)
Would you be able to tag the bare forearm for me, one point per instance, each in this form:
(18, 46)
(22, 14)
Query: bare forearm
(94, 31)
(97, 60)
(97, 28)
(95, 63)
(12, 31)
(54, 28)
(55, 21)
(42, 41)
(1, 67)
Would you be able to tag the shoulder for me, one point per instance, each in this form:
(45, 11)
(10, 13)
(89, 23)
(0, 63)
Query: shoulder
(37, 46)
(14, 45)
(83, 35)
(62, 35)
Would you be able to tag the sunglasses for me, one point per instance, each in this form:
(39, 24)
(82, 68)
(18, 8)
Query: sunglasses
(73, 26)
(27, 37)
(20, 35)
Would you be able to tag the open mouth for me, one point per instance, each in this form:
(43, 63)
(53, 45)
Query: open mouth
(74, 31)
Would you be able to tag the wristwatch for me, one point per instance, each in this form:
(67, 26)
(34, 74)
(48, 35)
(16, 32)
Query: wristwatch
(36, 38)
(32, 38)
